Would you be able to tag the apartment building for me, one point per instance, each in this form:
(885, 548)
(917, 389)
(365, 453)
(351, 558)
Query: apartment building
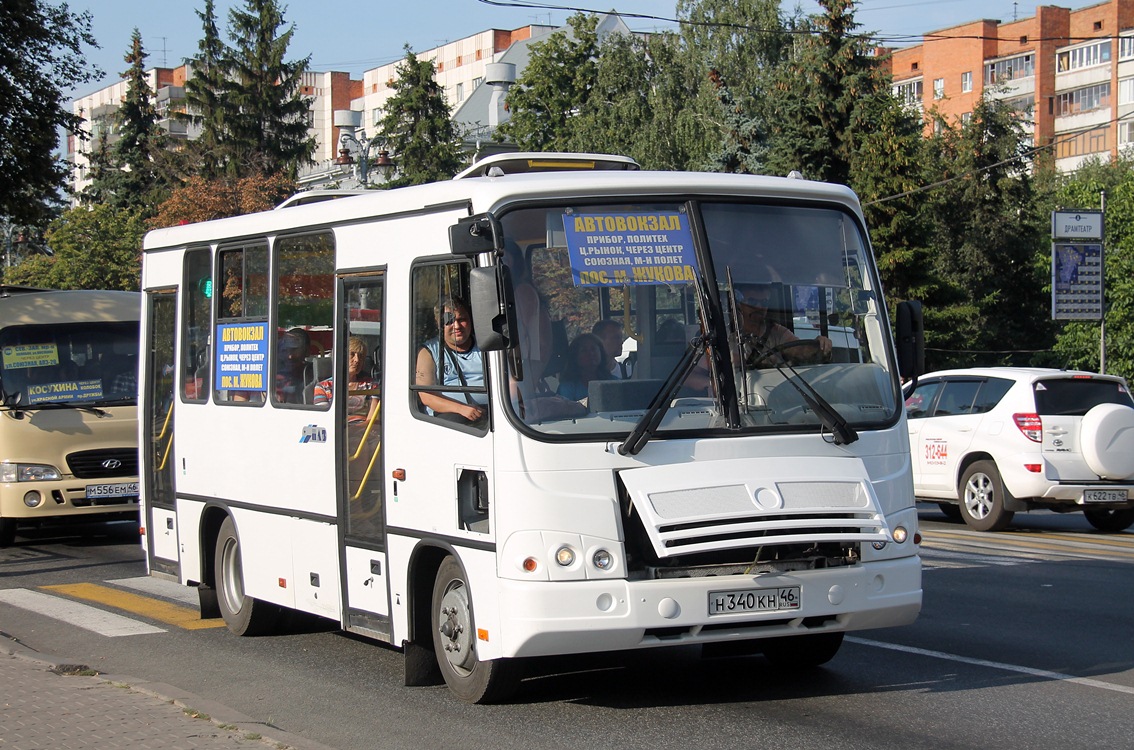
(1072, 70)
(325, 92)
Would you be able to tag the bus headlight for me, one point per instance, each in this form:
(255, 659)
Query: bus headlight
(565, 556)
(602, 559)
(900, 534)
(10, 472)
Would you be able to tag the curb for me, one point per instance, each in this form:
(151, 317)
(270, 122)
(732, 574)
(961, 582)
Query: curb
(192, 705)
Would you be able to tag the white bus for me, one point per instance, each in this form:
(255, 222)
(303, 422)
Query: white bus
(69, 421)
(475, 504)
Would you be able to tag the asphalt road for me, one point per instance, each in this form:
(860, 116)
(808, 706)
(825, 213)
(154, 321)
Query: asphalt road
(1024, 641)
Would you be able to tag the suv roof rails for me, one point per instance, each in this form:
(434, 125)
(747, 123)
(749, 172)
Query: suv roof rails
(551, 161)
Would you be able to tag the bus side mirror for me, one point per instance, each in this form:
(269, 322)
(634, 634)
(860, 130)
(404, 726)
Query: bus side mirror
(911, 340)
(493, 308)
(474, 235)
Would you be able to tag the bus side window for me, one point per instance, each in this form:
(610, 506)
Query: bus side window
(448, 368)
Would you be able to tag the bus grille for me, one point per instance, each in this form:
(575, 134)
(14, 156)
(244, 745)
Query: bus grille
(108, 462)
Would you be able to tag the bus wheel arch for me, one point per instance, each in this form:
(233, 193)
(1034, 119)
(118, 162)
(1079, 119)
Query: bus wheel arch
(453, 629)
(243, 614)
(211, 522)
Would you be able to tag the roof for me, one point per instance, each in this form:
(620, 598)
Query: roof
(1016, 373)
(69, 306)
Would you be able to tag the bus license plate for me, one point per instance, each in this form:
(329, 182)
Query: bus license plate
(1104, 496)
(122, 489)
(753, 600)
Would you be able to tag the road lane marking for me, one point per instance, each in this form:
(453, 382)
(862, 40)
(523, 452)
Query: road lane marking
(154, 609)
(159, 587)
(74, 613)
(1041, 673)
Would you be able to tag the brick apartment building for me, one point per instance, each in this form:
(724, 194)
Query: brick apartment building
(1073, 70)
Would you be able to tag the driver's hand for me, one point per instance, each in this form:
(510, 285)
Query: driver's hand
(824, 345)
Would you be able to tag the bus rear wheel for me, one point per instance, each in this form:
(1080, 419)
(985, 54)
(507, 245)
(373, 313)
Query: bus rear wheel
(454, 643)
(242, 614)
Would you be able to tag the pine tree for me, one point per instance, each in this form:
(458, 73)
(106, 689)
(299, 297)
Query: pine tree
(140, 137)
(265, 112)
(418, 126)
(205, 93)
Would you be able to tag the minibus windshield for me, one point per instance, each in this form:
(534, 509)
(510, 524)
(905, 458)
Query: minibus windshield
(70, 364)
(779, 301)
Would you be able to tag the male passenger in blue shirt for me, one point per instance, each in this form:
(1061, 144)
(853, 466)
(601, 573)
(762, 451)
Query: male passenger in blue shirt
(462, 365)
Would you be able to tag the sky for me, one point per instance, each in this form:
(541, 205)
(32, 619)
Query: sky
(358, 35)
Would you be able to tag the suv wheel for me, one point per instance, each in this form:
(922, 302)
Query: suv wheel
(982, 496)
(1110, 520)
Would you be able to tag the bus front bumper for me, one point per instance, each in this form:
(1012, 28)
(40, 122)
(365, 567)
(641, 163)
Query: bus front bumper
(548, 618)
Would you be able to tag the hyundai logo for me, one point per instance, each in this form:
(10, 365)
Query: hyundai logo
(111, 463)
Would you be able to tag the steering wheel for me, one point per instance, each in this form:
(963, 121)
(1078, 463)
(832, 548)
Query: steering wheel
(773, 351)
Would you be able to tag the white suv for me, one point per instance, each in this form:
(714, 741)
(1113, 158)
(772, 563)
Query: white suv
(987, 442)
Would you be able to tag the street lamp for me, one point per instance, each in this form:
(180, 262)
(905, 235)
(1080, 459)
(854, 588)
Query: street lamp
(347, 121)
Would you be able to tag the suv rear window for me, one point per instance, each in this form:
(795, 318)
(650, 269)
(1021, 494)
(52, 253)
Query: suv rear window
(1076, 396)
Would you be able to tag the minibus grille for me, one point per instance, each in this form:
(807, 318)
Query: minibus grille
(108, 462)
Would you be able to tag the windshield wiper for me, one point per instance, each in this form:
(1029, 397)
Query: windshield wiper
(59, 405)
(649, 422)
(830, 417)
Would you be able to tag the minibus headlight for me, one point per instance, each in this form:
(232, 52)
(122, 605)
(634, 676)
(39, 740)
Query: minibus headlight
(32, 498)
(11, 472)
(565, 556)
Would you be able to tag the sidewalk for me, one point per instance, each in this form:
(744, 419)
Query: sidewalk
(48, 703)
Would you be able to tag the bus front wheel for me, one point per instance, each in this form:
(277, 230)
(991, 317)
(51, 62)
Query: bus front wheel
(242, 614)
(454, 643)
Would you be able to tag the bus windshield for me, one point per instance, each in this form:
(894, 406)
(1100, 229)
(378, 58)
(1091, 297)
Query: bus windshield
(72, 364)
(752, 312)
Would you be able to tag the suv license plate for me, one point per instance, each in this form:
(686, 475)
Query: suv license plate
(122, 489)
(753, 600)
(1104, 496)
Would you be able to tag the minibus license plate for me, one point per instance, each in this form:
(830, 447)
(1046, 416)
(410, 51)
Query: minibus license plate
(122, 489)
(1104, 496)
(753, 600)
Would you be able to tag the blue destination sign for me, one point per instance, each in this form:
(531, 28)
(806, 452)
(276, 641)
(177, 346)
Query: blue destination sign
(618, 249)
(242, 357)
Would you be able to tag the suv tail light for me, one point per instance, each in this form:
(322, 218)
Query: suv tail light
(1031, 425)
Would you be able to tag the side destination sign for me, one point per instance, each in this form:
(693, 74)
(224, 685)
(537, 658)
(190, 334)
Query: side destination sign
(615, 249)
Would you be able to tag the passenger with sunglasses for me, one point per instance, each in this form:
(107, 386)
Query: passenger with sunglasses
(453, 359)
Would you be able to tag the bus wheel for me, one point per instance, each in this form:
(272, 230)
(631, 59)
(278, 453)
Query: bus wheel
(801, 651)
(454, 642)
(242, 614)
(7, 532)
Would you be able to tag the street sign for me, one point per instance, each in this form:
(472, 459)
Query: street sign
(1076, 281)
(1076, 225)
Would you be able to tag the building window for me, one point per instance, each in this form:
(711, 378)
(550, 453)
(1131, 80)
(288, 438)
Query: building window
(1090, 142)
(1086, 99)
(1010, 69)
(966, 118)
(908, 93)
(1125, 47)
(966, 82)
(1126, 90)
(460, 92)
(1083, 57)
(1125, 133)
(938, 88)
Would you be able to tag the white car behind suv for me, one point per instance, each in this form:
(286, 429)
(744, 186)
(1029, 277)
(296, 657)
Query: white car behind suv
(987, 442)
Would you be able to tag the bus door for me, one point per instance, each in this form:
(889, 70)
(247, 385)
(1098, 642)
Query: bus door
(157, 419)
(358, 423)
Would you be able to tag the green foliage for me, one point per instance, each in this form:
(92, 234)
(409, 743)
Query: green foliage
(265, 114)
(205, 93)
(41, 57)
(418, 126)
(986, 239)
(140, 139)
(1078, 343)
(553, 88)
(96, 247)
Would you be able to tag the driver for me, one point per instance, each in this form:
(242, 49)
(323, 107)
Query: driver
(764, 337)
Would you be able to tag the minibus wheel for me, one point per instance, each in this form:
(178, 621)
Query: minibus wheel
(7, 532)
(242, 614)
(454, 643)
